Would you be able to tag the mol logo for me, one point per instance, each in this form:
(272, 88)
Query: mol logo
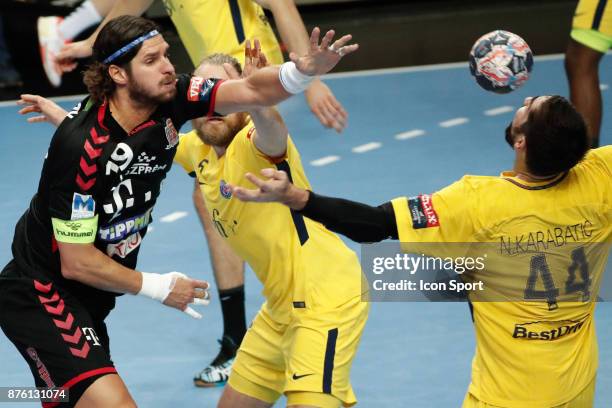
(83, 206)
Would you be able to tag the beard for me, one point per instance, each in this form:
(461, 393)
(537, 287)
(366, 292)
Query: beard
(219, 133)
(143, 96)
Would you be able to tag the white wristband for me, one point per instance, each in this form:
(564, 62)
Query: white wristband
(157, 286)
(292, 79)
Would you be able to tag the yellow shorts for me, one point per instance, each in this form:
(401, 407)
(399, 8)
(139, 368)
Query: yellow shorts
(206, 27)
(307, 359)
(592, 39)
(583, 400)
(593, 15)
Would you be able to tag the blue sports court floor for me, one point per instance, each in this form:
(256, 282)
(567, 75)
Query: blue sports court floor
(411, 131)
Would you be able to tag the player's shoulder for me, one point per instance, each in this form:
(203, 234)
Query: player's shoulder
(72, 132)
(479, 183)
(597, 163)
(601, 154)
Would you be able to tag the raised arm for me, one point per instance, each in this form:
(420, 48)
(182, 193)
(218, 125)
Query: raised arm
(272, 85)
(359, 222)
(320, 98)
(270, 136)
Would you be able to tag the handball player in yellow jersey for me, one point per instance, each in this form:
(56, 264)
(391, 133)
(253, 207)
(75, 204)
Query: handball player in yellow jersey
(540, 350)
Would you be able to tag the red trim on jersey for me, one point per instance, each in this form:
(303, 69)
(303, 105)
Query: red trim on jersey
(81, 377)
(213, 98)
(250, 132)
(42, 288)
(71, 336)
(141, 127)
(53, 244)
(430, 212)
(89, 374)
(85, 185)
(97, 139)
(272, 160)
(101, 114)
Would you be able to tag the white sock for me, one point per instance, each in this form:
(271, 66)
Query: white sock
(83, 17)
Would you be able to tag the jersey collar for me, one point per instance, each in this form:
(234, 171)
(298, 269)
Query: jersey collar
(512, 177)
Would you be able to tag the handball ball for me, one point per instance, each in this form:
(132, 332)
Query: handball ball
(501, 61)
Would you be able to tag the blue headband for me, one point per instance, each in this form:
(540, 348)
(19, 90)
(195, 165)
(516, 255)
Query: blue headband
(126, 48)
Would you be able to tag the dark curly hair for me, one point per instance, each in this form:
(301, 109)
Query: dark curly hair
(115, 34)
(555, 137)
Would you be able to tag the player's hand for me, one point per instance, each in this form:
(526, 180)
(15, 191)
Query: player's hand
(254, 58)
(277, 188)
(185, 291)
(51, 112)
(71, 52)
(325, 106)
(322, 58)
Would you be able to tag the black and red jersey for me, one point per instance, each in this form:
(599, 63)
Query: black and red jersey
(94, 168)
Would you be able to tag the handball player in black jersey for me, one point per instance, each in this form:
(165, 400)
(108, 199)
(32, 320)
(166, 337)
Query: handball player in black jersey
(75, 248)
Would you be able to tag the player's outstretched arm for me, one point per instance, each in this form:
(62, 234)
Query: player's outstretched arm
(272, 85)
(83, 49)
(271, 133)
(49, 110)
(86, 264)
(359, 222)
(320, 98)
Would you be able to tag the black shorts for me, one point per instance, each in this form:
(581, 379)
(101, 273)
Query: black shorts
(63, 345)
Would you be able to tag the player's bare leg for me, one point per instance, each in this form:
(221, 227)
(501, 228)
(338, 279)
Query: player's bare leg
(228, 270)
(106, 392)
(234, 399)
(582, 67)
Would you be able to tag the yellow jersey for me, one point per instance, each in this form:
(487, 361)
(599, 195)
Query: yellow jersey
(210, 26)
(299, 262)
(594, 15)
(552, 241)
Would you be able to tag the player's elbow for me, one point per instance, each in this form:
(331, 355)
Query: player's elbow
(73, 268)
(70, 272)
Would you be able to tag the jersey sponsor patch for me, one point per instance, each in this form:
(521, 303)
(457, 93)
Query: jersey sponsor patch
(199, 89)
(171, 134)
(83, 206)
(422, 212)
(195, 86)
(145, 165)
(74, 111)
(225, 190)
(124, 247)
(126, 227)
(548, 330)
(75, 232)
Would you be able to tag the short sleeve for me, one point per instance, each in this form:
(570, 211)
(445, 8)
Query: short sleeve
(183, 156)
(603, 157)
(195, 98)
(72, 205)
(445, 216)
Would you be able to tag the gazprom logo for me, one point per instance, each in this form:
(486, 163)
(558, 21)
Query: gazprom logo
(83, 206)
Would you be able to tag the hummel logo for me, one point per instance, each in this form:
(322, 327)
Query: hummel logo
(297, 377)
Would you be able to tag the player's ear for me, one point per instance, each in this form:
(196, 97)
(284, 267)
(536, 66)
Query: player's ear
(118, 74)
(520, 142)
